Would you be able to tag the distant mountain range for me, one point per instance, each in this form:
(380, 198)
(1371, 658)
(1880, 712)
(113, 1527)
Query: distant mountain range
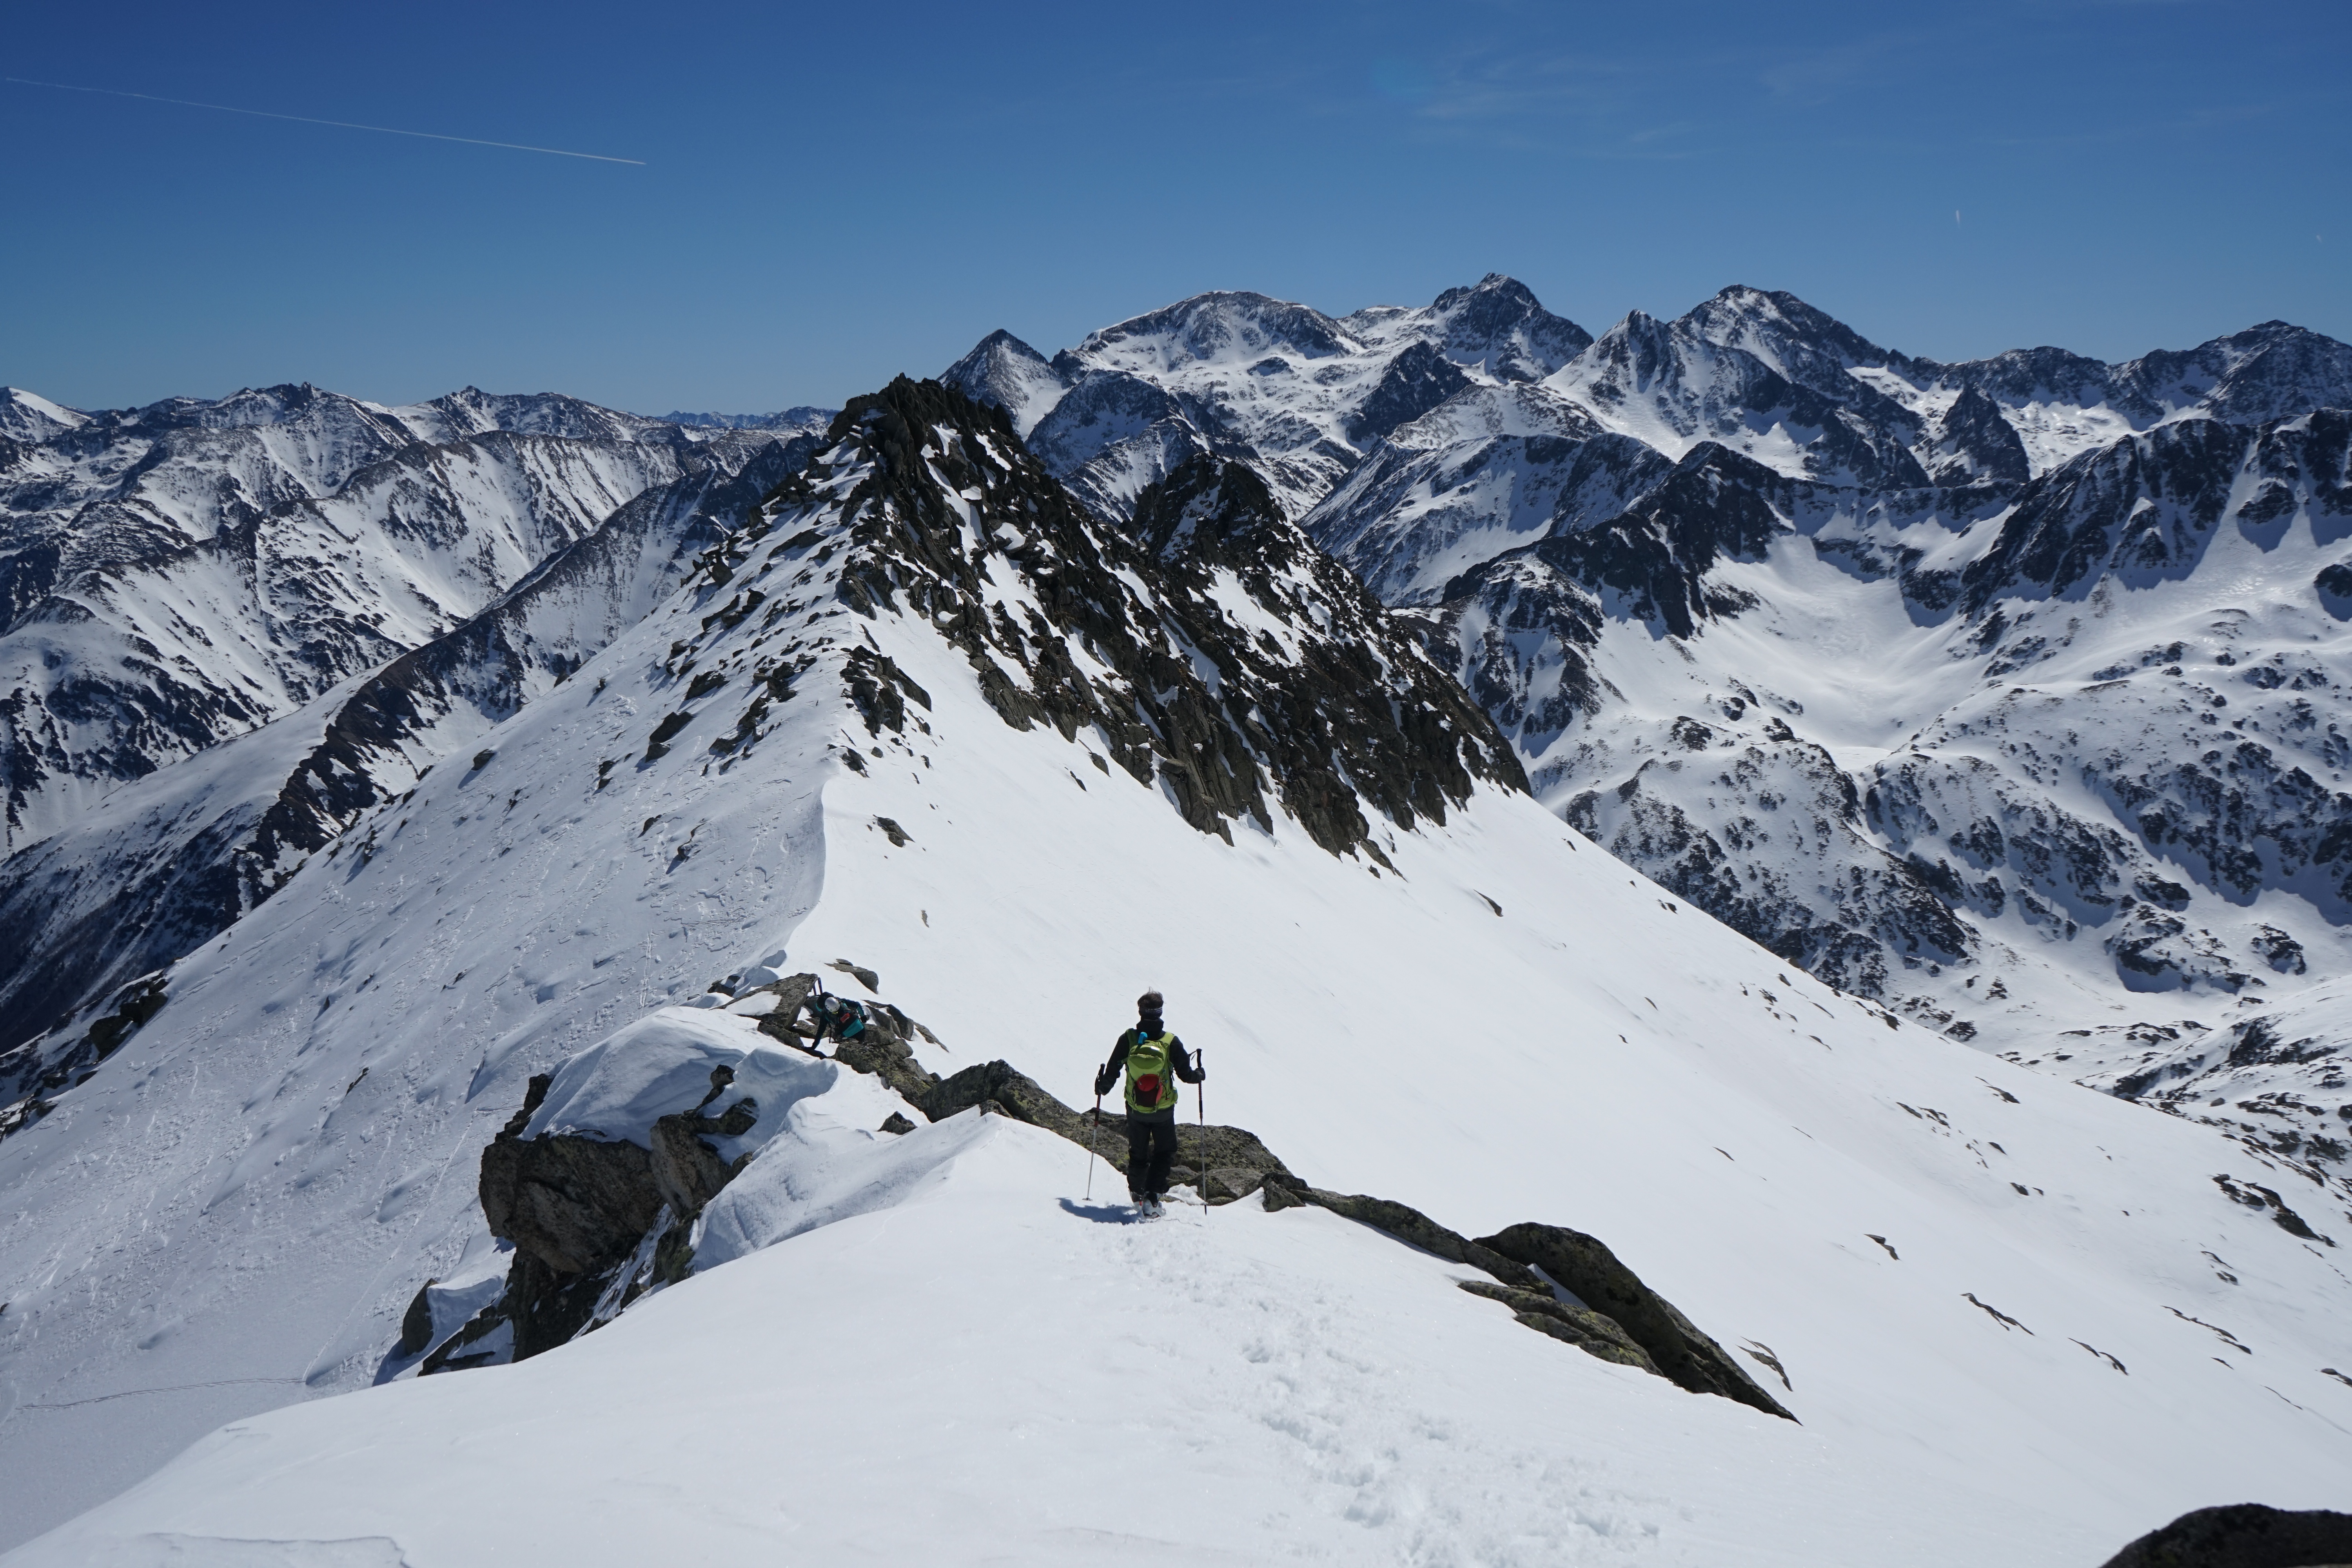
(2007, 692)
(370, 771)
(306, 599)
(2010, 692)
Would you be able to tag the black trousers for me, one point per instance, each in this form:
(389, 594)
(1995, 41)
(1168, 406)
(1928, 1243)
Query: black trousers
(1151, 1150)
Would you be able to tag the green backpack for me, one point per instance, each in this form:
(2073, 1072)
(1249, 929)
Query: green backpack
(1151, 1073)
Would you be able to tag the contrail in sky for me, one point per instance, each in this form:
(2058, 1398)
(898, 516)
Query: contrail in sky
(306, 119)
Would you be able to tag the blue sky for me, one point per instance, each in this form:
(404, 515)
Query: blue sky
(830, 194)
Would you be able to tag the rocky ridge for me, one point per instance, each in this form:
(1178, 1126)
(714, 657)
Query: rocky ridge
(1299, 693)
(596, 1223)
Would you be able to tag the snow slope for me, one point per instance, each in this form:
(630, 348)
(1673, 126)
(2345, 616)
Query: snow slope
(1584, 532)
(158, 866)
(1488, 1019)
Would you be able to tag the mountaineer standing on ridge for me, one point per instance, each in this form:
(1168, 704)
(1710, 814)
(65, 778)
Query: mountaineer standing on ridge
(1154, 1060)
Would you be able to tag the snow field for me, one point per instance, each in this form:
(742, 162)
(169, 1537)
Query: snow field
(1736, 1145)
(990, 1368)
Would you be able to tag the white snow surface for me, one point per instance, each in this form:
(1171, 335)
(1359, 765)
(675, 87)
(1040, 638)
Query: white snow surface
(937, 1348)
(618, 1088)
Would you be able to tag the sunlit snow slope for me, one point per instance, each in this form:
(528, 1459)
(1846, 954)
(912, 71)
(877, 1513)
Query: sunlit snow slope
(2069, 1330)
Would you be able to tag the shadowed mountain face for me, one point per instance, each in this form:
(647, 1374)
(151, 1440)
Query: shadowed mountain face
(2008, 691)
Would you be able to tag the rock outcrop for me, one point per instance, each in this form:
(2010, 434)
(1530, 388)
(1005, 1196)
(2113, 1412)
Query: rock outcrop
(1583, 1267)
(596, 1223)
(2245, 1535)
(1612, 1314)
(1343, 719)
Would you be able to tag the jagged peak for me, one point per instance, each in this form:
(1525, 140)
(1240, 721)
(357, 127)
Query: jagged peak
(1495, 285)
(1776, 326)
(1220, 318)
(999, 344)
(951, 525)
(1214, 511)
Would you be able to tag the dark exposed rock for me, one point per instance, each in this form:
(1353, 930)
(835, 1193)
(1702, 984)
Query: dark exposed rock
(1972, 441)
(1354, 720)
(685, 1171)
(2256, 1196)
(2334, 586)
(581, 1210)
(879, 689)
(1585, 1268)
(2146, 506)
(892, 1062)
(417, 1324)
(1416, 381)
(1016, 1094)
(2279, 949)
(1623, 1319)
(594, 1223)
(577, 1204)
(2243, 1535)
(35, 1075)
(1346, 719)
(859, 972)
(791, 995)
(1411, 1226)
(1587, 1330)
(1235, 1158)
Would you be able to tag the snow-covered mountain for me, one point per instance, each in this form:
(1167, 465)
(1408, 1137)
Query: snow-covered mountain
(182, 575)
(1297, 394)
(160, 864)
(1913, 672)
(2016, 759)
(803, 420)
(924, 725)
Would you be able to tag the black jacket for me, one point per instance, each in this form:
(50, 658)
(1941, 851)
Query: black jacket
(1178, 1058)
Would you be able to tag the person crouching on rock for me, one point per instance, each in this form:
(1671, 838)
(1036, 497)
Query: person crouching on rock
(1154, 1059)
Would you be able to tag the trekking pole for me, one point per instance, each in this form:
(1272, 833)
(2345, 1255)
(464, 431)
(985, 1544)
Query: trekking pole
(1092, 1133)
(1201, 1099)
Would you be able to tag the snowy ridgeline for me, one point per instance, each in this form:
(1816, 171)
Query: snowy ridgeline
(948, 1297)
(2010, 693)
(2018, 1320)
